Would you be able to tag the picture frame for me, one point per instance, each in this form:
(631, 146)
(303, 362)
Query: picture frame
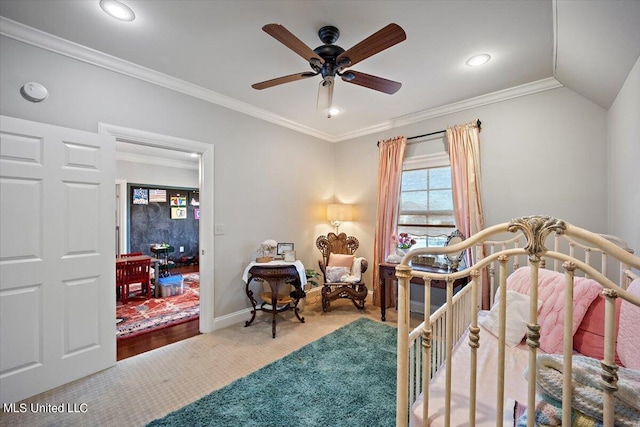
(290, 256)
(157, 196)
(178, 213)
(194, 198)
(283, 247)
(140, 196)
(179, 201)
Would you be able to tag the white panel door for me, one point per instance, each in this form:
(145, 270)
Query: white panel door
(57, 274)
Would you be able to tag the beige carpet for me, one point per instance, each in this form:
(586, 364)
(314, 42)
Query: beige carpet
(148, 386)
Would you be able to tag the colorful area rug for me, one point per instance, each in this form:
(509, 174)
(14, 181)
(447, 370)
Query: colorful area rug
(346, 378)
(142, 315)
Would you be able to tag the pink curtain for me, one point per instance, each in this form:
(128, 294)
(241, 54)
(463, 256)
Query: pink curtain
(464, 154)
(389, 179)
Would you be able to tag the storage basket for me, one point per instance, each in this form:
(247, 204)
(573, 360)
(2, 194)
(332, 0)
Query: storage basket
(171, 285)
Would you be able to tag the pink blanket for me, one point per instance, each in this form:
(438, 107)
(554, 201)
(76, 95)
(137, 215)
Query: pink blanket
(551, 293)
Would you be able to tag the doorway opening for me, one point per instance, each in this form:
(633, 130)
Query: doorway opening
(153, 148)
(162, 223)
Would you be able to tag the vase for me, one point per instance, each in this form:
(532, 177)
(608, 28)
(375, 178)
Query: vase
(402, 251)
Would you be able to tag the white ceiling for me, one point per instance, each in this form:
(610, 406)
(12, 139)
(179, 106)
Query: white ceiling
(217, 50)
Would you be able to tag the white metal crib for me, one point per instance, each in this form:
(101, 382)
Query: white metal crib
(426, 349)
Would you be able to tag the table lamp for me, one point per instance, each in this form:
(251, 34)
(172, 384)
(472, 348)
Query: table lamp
(337, 213)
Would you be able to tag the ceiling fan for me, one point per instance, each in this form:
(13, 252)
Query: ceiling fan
(330, 60)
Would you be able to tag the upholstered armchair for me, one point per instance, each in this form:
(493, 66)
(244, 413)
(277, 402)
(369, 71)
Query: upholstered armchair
(341, 269)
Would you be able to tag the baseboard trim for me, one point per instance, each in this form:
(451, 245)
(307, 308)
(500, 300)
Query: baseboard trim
(231, 319)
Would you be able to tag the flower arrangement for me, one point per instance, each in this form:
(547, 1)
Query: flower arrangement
(403, 241)
(270, 244)
(267, 247)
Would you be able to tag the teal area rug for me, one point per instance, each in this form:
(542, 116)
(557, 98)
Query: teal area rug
(346, 378)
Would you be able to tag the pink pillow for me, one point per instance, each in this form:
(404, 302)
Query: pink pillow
(551, 293)
(628, 336)
(589, 339)
(340, 260)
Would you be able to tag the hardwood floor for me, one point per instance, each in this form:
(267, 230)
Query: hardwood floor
(156, 339)
(152, 340)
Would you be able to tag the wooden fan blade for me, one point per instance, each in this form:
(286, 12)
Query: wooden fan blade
(371, 82)
(389, 36)
(285, 37)
(280, 80)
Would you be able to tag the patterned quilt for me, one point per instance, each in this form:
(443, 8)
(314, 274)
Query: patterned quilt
(587, 394)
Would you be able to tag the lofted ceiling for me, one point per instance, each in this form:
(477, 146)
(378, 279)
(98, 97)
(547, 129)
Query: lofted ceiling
(216, 50)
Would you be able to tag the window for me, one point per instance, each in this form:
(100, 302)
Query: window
(426, 200)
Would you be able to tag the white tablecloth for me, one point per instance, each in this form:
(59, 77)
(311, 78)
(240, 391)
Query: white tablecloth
(297, 263)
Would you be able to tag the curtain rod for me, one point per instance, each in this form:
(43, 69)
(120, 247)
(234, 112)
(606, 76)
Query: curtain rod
(479, 123)
(440, 131)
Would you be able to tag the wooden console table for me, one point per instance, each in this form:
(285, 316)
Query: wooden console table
(276, 274)
(387, 272)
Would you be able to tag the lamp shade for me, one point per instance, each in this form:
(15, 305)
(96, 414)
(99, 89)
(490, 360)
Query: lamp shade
(338, 212)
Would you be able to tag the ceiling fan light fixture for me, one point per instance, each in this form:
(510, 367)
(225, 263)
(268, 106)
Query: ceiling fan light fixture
(348, 76)
(330, 60)
(327, 81)
(117, 10)
(478, 60)
(343, 63)
(325, 94)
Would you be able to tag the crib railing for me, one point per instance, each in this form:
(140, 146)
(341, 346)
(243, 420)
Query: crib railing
(458, 315)
(593, 256)
(428, 348)
(490, 247)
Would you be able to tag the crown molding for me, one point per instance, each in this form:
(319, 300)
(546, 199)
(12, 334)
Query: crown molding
(478, 101)
(46, 41)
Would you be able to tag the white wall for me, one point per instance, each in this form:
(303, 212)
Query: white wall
(270, 182)
(624, 161)
(541, 154)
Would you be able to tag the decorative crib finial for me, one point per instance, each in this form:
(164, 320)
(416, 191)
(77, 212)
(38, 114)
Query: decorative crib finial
(536, 229)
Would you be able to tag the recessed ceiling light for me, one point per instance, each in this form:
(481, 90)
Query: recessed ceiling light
(117, 10)
(476, 60)
(334, 111)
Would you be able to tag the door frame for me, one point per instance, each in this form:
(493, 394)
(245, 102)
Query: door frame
(121, 216)
(206, 225)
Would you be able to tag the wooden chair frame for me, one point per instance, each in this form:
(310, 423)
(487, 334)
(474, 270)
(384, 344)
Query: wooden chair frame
(137, 272)
(340, 244)
(121, 285)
